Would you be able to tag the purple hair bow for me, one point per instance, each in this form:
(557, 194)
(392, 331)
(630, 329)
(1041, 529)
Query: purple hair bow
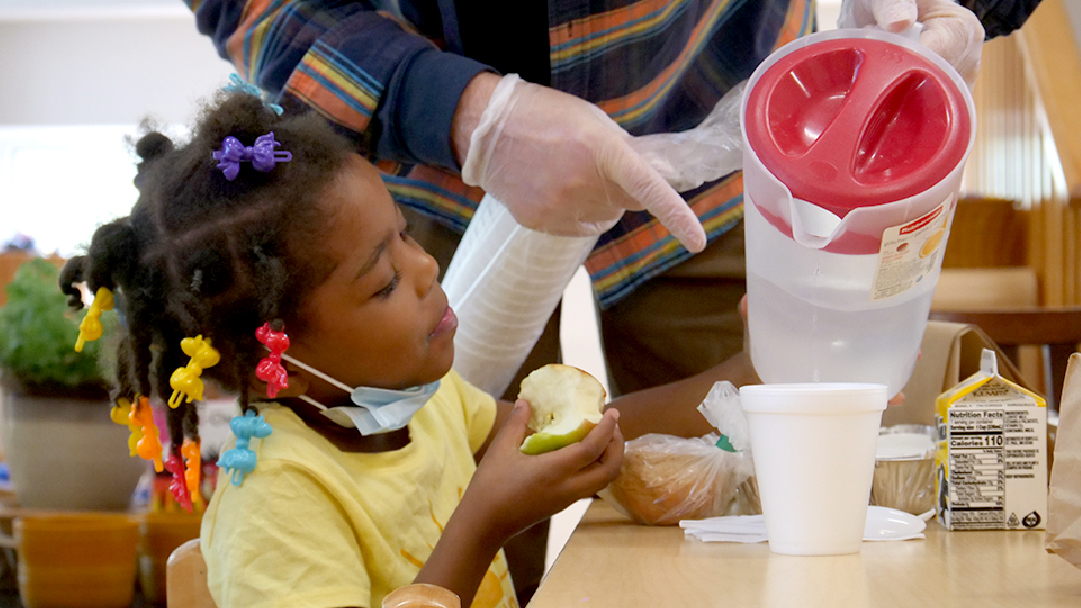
(262, 155)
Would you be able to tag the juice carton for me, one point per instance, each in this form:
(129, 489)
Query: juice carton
(992, 454)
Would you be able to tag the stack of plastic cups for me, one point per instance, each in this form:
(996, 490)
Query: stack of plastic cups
(503, 283)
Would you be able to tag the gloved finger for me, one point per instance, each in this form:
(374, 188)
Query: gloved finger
(894, 15)
(890, 15)
(955, 33)
(645, 186)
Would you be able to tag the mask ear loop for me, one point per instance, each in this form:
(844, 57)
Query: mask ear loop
(321, 376)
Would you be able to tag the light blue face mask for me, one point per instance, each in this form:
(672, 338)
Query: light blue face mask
(376, 410)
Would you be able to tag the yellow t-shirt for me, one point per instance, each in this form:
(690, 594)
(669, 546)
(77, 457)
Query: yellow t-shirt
(313, 526)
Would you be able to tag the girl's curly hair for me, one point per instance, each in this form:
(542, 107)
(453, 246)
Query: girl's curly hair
(202, 255)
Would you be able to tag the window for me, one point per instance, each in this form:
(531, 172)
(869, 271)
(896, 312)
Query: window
(59, 183)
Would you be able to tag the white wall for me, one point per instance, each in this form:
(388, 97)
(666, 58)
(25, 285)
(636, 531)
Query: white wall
(96, 71)
(76, 80)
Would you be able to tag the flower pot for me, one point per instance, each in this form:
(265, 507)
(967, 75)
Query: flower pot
(77, 560)
(66, 454)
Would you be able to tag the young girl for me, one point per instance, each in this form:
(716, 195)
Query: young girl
(281, 247)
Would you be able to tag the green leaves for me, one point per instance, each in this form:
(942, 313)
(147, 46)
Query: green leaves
(38, 332)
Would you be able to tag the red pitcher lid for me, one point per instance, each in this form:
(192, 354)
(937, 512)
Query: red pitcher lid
(854, 122)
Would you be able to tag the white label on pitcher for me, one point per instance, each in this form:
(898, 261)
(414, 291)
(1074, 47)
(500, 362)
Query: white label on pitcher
(910, 252)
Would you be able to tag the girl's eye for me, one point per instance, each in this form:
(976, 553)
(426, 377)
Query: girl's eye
(391, 286)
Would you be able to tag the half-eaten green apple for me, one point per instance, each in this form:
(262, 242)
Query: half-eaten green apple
(566, 402)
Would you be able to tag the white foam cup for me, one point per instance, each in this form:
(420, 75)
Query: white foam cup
(813, 446)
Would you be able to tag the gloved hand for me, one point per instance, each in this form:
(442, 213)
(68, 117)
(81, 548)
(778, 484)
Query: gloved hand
(562, 166)
(951, 30)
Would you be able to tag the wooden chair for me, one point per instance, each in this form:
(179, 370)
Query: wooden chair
(1056, 330)
(972, 289)
(186, 585)
(185, 578)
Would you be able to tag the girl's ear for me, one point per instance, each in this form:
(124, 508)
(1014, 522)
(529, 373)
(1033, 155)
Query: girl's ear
(298, 381)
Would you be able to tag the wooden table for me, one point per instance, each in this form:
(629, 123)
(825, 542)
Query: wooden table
(610, 561)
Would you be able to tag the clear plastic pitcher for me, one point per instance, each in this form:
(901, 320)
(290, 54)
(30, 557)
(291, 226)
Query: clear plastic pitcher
(854, 146)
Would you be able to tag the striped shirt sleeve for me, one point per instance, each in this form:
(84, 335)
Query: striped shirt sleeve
(388, 88)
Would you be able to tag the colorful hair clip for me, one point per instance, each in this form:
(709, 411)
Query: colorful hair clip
(121, 414)
(236, 85)
(261, 155)
(191, 452)
(270, 369)
(241, 459)
(175, 465)
(186, 381)
(90, 329)
(148, 446)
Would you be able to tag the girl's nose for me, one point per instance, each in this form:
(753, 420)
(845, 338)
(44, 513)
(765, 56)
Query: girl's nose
(428, 272)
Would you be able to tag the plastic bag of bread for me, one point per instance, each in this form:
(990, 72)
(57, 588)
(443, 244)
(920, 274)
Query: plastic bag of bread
(665, 479)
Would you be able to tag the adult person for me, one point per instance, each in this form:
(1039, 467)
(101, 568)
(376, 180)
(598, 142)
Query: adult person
(409, 81)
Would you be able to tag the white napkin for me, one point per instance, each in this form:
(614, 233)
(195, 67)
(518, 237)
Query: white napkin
(883, 523)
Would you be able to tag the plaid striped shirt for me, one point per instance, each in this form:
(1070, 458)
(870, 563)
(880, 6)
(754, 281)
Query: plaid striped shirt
(389, 74)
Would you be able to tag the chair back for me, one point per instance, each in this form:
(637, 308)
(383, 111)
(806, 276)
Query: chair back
(186, 585)
(185, 578)
(1056, 330)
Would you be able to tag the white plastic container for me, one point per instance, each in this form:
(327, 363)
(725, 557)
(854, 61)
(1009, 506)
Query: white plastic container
(854, 147)
(503, 283)
(814, 455)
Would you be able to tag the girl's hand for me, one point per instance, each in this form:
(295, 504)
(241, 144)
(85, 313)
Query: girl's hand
(511, 491)
(514, 490)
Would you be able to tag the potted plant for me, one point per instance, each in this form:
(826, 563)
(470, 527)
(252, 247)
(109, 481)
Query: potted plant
(62, 449)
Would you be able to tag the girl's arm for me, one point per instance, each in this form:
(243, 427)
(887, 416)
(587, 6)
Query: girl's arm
(511, 491)
(672, 409)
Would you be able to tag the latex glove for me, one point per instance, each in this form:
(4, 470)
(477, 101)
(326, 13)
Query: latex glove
(702, 154)
(951, 30)
(562, 166)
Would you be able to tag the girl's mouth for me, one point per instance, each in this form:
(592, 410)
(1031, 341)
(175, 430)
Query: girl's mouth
(447, 324)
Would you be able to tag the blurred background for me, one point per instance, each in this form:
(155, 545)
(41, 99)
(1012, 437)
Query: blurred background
(78, 76)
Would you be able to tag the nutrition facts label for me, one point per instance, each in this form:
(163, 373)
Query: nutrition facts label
(994, 454)
(977, 466)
